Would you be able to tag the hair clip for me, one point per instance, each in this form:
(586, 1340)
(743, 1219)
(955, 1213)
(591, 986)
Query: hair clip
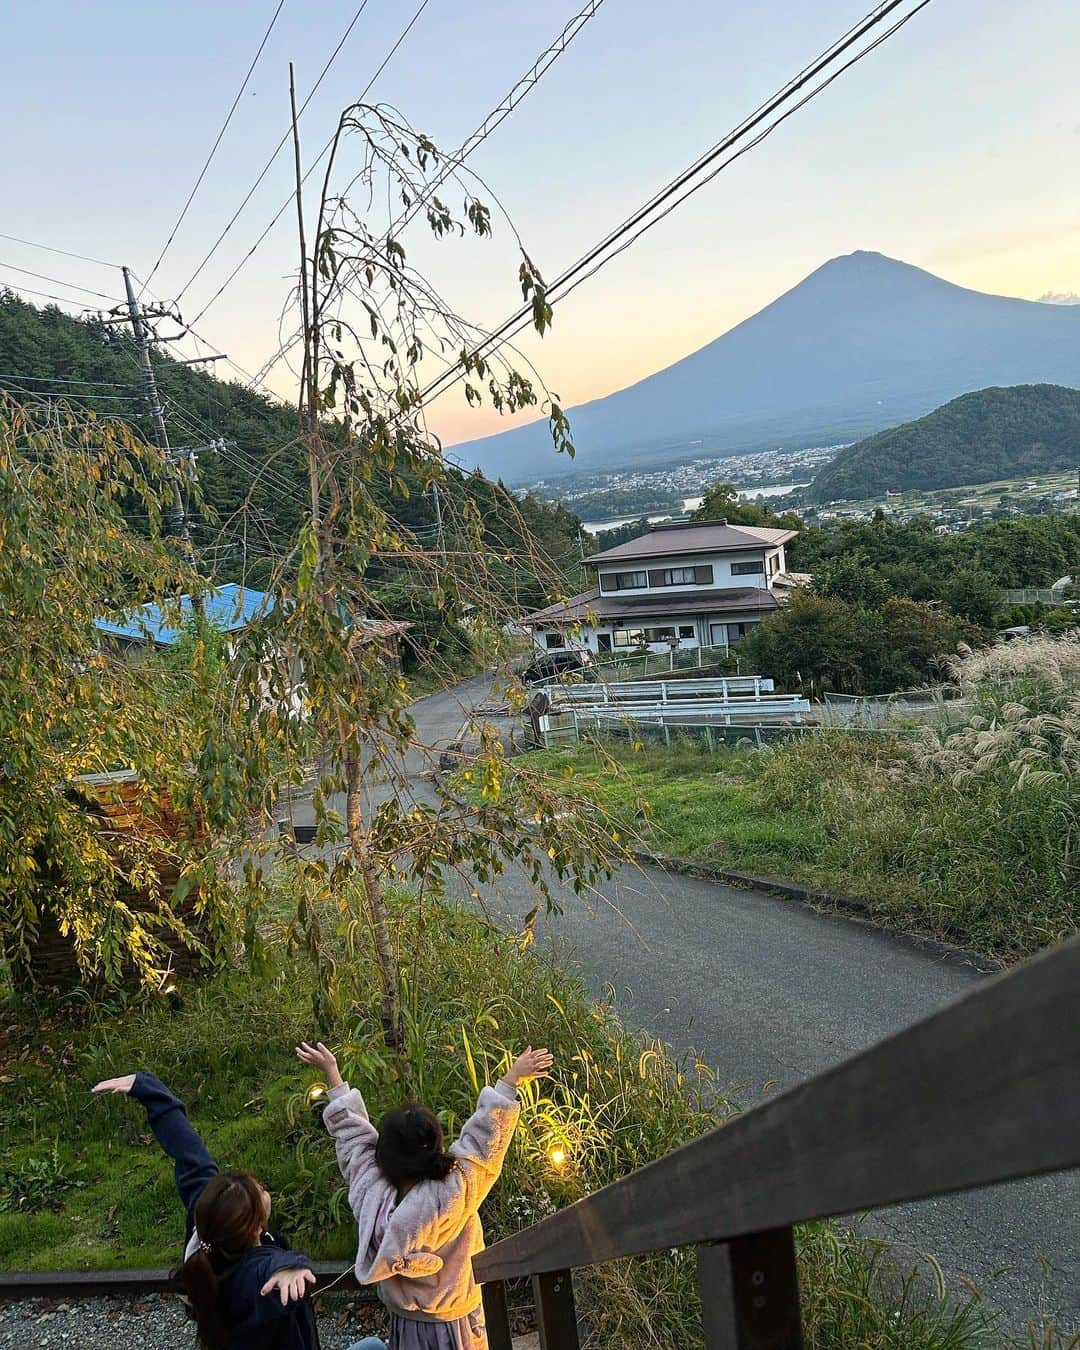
(204, 1247)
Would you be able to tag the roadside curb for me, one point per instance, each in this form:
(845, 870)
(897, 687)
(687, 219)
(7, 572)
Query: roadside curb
(829, 902)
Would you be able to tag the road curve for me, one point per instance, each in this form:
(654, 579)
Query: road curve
(771, 993)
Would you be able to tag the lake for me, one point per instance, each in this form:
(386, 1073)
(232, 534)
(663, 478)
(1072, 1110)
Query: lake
(692, 504)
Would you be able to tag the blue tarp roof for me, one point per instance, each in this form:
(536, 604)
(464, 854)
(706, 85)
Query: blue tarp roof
(229, 608)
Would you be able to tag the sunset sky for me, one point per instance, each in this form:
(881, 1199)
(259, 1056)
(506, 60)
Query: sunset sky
(954, 147)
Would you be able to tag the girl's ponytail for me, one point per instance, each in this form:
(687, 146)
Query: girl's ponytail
(203, 1289)
(439, 1166)
(229, 1217)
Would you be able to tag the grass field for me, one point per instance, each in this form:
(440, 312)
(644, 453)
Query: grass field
(83, 1185)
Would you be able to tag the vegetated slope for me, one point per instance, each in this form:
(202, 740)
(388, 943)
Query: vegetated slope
(46, 351)
(977, 438)
(862, 343)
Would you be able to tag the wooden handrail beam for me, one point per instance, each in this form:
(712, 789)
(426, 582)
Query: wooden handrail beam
(985, 1090)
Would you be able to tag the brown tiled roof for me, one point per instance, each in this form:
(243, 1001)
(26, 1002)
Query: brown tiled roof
(607, 607)
(695, 537)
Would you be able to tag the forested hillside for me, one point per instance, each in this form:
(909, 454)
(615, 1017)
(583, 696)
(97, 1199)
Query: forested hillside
(977, 438)
(46, 352)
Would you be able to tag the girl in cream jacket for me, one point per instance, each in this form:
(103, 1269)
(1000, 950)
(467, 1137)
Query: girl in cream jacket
(416, 1203)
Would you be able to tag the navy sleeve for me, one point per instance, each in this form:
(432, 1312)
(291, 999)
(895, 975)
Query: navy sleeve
(250, 1307)
(166, 1116)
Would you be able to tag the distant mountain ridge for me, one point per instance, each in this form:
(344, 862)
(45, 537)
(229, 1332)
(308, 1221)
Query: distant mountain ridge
(862, 343)
(977, 438)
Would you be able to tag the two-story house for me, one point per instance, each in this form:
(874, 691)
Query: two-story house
(692, 584)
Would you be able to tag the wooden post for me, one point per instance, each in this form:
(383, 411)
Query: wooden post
(556, 1317)
(750, 1293)
(497, 1316)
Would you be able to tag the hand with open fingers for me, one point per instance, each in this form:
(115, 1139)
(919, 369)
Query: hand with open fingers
(291, 1283)
(322, 1059)
(123, 1084)
(530, 1064)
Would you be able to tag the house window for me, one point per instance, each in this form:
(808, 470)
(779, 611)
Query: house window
(661, 634)
(774, 564)
(746, 569)
(624, 581)
(629, 637)
(553, 640)
(681, 576)
(686, 630)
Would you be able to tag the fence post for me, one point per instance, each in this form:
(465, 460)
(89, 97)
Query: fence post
(710, 740)
(750, 1293)
(497, 1316)
(556, 1317)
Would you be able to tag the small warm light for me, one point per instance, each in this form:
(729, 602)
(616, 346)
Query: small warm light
(557, 1156)
(316, 1094)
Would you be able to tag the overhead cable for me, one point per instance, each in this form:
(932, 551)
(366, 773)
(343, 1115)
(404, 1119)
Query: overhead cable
(214, 147)
(277, 150)
(57, 281)
(83, 257)
(494, 119)
(643, 219)
(314, 163)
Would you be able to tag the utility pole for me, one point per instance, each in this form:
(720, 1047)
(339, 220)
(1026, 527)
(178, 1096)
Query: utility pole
(438, 518)
(176, 515)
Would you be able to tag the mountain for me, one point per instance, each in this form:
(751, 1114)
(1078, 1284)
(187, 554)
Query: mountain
(977, 438)
(862, 343)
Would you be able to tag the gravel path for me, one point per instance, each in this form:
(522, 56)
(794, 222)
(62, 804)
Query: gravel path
(155, 1322)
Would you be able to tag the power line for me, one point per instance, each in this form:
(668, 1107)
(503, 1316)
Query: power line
(45, 295)
(56, 379)
(214, 147)
(83, 257)
(640, 218)
(57, 281)
(494, 119)
(277, 150)
(311, 169)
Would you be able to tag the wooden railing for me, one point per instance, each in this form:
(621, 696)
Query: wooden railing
(985, 1090)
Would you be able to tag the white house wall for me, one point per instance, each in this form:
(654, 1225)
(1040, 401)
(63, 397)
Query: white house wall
(720, 563)
(587, 638)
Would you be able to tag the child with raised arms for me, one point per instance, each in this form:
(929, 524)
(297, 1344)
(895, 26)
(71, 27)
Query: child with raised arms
(416, 1201)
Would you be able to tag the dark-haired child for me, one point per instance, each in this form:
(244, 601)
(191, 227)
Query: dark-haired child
(416, 1201)
(247, 1290)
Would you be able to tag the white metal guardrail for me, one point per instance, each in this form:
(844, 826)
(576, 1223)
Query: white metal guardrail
(661, 691)
(777, 709)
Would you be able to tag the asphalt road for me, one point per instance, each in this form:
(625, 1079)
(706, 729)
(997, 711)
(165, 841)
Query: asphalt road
(771, 993)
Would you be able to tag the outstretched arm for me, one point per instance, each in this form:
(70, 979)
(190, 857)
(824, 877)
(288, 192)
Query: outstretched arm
(166, 1116)
(486, 1135)
(346, 1119)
